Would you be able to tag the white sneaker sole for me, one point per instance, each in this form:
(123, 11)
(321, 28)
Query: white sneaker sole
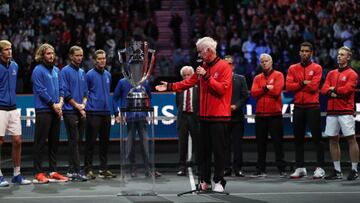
(35, 181)
(51, 180)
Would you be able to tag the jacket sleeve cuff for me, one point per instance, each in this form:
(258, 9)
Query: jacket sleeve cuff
(68, 98)
(169, 86)
(50, 103)
(265, 88)
(302, 84)
(206, 76)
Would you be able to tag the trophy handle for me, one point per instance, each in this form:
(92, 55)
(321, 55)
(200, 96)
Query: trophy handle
(123, 65)
(148, 68)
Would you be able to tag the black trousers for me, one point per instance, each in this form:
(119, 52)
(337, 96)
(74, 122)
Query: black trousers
(75, 126)
(212, 140)
(234, 139)
(97, 124)
(137, 128)
(47, 128)
(312, 117)
(264, 126)
(189, 124)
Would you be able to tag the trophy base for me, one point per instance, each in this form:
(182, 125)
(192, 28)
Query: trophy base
(138, 104)
(138, 101)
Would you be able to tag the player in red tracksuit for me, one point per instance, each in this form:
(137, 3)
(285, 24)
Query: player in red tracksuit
(303, 79)
(215, 76)
(340, 87)
(266, 89)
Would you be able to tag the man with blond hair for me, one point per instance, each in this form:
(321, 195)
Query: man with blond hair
(214, 76)
(48, 96)
(340, 87)
(10, 122)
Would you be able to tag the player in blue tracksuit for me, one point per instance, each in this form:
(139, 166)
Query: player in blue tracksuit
(136, 124)
(10, 122)
(98, 118)
(48, 96)
(75, 96)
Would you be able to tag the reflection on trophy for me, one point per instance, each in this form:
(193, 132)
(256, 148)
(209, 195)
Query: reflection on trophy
(136, 68)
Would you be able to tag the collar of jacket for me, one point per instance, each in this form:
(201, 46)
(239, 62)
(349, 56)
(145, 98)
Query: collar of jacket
(99, 71)
(343, 69)
(213, 62)
(267, 73)
(5, 64)
(74, 67)
(304, 65)
(50, 67)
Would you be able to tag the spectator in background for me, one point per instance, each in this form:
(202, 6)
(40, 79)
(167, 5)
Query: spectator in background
(248, 48)
(175, 26)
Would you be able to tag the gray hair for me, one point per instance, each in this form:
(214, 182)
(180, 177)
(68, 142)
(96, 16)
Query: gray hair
(184, 68)
(265, 55)
(206, 42)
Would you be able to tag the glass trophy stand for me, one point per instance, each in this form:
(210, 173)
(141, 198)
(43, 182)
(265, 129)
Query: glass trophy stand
(137, 150)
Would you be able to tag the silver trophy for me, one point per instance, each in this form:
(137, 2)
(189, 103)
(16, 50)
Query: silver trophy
(136, 68)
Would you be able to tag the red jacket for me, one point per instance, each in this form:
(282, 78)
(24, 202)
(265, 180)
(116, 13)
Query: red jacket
(215, 90)
(268, 102)
(305, 96)
(345, 82)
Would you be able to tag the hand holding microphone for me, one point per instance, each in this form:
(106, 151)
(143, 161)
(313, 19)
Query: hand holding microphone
(200, 71)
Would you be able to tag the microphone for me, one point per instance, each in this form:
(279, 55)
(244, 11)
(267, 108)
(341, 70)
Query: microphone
(199, 62)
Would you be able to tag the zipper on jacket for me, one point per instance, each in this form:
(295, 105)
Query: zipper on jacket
(302, 92)
(9, 75)
(337, 80)
(102, 82)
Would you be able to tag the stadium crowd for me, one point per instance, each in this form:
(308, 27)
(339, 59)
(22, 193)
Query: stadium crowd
(244, 29)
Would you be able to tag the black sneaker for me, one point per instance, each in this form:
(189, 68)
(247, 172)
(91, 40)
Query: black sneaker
(353, 175)
(335, 175)
(90, 174)
(239, 173)
(283, 174)
(227, 172)
(181, 172)
(106, 174)
(156, 174)
(78, 178)
(258, 174)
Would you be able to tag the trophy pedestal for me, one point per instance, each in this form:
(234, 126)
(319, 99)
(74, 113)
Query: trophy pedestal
(137, 152)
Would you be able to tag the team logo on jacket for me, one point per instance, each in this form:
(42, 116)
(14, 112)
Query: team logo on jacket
(107, 80)
(216, 75)
(13, 72)
(271, 81)
(311, 73)
(343, 78)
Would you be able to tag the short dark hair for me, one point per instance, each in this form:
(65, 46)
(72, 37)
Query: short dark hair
(307, 44)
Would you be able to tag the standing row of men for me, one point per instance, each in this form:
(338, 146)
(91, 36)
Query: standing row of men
(82, 99)
(303, 79)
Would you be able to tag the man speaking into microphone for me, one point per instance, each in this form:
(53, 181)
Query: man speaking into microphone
(214, 115)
